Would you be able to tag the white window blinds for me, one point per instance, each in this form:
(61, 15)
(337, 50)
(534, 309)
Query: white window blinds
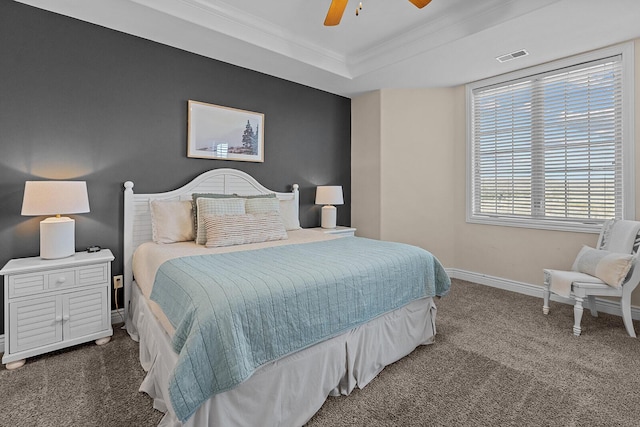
(549, 147)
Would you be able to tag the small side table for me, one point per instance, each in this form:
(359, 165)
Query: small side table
(339, 230)
(51, 304)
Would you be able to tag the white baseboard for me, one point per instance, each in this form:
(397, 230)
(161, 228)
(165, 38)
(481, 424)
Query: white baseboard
(603, 305)
(117, 316)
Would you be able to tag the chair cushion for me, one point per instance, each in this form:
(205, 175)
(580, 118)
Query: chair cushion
(610, 267)
(560, 282)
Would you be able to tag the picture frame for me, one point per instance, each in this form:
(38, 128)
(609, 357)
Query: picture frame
(224, 133)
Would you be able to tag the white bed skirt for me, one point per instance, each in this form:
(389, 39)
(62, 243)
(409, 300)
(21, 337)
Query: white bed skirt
(286, 392)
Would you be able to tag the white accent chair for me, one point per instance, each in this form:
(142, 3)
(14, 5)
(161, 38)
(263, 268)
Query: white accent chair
(613, 240)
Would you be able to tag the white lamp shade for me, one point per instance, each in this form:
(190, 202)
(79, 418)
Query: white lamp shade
(329, 195)
(55, 198)
(57, 235)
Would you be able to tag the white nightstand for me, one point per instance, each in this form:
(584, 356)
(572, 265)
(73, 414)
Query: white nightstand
(57, 303)
(339, 230)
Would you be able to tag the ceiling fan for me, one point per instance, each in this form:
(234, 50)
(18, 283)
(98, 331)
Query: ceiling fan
(338, 6)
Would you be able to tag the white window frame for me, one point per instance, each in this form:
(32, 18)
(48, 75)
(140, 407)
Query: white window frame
(628, 139)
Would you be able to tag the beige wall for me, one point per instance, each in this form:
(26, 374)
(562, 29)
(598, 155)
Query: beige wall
(403, 175)
(422, 178)
(365, 164)
(417, 174)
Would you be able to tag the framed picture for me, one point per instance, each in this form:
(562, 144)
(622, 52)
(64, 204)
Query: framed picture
(224, 133)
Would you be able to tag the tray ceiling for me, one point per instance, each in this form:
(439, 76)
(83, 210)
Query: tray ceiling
(392, 44)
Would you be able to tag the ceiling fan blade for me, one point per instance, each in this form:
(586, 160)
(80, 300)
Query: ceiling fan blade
(335, 12)
(420, 3)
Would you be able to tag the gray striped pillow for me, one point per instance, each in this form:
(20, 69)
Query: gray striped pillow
(231, 230)
(196, 196)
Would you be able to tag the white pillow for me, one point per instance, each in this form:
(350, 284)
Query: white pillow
(231, 230)
(268, 203)
(217, 207)
(610, 267)
(171, 221)
(289, 215)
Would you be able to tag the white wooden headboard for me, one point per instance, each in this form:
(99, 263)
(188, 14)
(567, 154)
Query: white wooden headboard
(137, 214)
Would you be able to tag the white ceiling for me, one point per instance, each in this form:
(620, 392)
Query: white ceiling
(392, 44)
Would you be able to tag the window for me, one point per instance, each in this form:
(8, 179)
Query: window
(552, 147)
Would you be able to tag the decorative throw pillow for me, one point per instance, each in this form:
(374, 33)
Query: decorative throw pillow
(289, 215)
(242, 229)
(288, 209)
(216, 207)
(255, 205)
(610, 267)
(196, 196)
(171, 221)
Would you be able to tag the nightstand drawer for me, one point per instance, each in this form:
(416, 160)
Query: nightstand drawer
(30, 284)
(94, 274)
(62, 279)
(339, 231)
(26, 284)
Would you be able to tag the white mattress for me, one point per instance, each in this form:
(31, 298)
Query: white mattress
(285, 392)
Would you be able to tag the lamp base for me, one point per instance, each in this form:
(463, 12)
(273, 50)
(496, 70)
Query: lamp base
(329, 213)
(57, 237)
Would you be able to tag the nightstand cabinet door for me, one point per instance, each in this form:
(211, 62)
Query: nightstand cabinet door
(34, 323)
(86, 312)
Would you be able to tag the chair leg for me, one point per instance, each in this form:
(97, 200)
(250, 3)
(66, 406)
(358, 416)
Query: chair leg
(577, 316)
(592, 305)
(545, 296)
(625, 304)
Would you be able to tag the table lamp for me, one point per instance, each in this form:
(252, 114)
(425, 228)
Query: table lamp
(57, 234)
(329, 195)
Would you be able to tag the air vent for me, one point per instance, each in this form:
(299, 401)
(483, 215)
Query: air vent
(512, 55)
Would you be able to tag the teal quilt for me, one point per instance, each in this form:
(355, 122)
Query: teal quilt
(236, 311)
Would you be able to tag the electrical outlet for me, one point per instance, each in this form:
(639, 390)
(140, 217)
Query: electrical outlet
(117, 282)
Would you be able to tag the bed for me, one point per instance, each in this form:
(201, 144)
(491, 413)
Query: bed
(193, 374)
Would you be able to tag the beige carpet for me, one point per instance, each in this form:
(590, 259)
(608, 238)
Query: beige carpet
(86, 385)
(496, 361)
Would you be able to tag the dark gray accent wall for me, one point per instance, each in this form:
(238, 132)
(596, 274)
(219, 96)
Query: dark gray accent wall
(79, 101)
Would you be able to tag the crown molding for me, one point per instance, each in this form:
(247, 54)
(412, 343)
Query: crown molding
(224, 18)
(439, 31)
(232, 22)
